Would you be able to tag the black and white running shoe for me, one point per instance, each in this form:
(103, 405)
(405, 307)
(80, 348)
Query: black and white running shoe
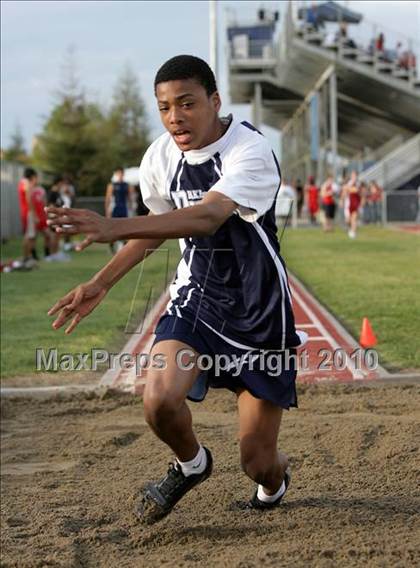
(160, 498)
(255, 503)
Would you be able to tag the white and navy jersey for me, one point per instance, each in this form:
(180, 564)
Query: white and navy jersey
(234, 281)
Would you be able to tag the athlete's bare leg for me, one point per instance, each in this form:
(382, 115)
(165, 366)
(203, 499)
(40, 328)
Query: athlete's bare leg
(353, 221)
(165, 408)
(324, 222)
(28, 246)
(259, 424)
(47, 234)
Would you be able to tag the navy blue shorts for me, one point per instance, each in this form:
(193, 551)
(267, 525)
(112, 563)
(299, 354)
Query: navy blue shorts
(268, 375)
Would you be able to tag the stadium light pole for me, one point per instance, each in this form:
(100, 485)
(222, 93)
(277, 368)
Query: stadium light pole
(257, 105)
(417, 42)
(213, 36)
(333, 120)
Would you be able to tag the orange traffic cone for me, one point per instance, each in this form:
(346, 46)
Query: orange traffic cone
(367, 337)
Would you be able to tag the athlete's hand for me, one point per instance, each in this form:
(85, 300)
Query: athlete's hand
(95, 227)
(78, 304)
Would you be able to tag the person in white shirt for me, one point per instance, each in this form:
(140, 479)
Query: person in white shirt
(212, 182)
(286, 200)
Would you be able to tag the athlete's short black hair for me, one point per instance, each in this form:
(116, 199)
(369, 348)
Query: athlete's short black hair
(29, 173)
(187, 67)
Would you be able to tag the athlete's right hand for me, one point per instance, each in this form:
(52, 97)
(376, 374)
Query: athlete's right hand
(78, 304)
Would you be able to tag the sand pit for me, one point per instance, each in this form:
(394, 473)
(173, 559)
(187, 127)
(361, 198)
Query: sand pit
(71, 469)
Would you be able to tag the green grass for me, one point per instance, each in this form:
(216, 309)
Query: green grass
(27, 296)
(375, 276)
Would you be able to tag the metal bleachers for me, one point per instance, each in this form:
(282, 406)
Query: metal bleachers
(274, 68)
(397, 167)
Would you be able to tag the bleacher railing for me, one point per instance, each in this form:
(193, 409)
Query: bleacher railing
(392, 169)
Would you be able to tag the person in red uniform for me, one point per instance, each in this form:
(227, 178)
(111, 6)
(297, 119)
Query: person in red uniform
(25, 188)
(39, 201)
(328, 204)
(375, 202)
(312, 199)
(352, 197)
(32, 201)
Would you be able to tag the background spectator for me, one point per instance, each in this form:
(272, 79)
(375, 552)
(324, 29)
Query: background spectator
(54, 198)
(351, 199)
(312, 18)
(328, 204)
(380, 43)
(300, 197)
(374, 202)
(286, 197)
(32, 202)
(312, 199)
(27, 216)
(118, 199)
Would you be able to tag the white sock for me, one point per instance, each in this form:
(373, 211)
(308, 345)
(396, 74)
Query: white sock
(196, 465)
(262, 495)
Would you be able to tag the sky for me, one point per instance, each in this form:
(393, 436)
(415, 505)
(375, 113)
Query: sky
(35, 36)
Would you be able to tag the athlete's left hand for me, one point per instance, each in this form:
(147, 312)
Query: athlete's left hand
(95, 227)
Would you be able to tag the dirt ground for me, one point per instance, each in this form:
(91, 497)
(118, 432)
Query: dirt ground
(71, 469)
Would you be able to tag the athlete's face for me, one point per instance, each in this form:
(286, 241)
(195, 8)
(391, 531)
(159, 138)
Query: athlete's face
(33, 181)
(188, 113)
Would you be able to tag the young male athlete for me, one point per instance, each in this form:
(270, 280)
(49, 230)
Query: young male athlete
(212, 182)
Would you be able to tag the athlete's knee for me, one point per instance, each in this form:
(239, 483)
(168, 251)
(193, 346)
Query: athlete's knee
(160, 404)
(257, 459)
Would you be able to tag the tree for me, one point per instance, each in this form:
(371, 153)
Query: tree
(122, 136)
(16, 151)
(127, 122)
(67, 143)
(84, 141)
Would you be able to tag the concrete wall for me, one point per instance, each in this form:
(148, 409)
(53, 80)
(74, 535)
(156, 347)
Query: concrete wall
(10, 214)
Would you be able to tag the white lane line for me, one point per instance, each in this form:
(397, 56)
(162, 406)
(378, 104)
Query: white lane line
(130, 379)
(15, 391)
(356, 373)
(305, 325)
(111, 376)
(318, 338)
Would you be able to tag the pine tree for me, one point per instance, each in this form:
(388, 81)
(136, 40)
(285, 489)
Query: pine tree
(122, 136)
(67, 143)
(127, 122)
(81, 140)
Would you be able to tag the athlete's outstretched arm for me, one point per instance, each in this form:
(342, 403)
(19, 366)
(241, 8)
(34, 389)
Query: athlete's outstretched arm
(108, 199)
(199, 220)
(83, 299)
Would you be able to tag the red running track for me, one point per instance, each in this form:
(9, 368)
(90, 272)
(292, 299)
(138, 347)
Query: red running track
(331, 353)
(410, 228)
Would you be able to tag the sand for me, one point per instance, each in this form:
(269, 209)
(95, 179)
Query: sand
(72, 467)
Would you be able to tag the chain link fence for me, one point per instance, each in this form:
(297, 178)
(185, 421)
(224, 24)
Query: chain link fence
(401, 206)
(91, 202)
